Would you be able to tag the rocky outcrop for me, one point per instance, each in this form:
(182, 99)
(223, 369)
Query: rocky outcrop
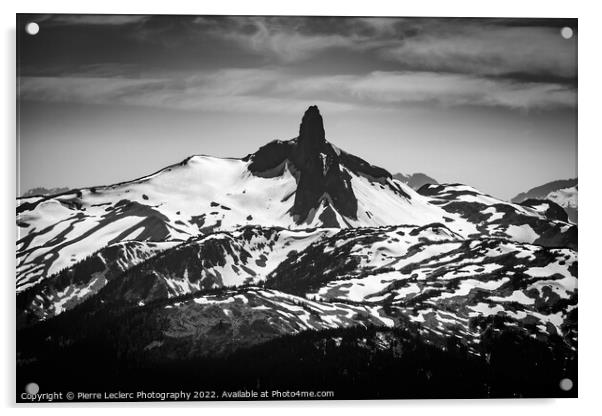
(320, 171)
(318, 166)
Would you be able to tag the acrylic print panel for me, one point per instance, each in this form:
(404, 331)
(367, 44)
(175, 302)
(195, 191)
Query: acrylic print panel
(278, 208)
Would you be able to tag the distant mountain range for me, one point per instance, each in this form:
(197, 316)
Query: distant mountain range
(563, 192)
(415, 180)
(41, 191)
(213, 257)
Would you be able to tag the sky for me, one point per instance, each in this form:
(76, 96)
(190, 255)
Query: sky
(487, 102)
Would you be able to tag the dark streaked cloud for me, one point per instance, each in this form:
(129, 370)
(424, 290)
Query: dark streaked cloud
(470, 46)
(170, 60)
(291, 39)
(490, 50)
(91, 19)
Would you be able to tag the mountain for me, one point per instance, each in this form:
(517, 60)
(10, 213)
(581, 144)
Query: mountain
(213, 258)
(301, 183)
(562, 192)
(415, 180)
(40, 191)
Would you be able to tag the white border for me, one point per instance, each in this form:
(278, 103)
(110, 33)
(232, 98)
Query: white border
(590, 118)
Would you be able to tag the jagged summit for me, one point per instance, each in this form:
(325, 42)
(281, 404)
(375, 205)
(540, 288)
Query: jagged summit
(311, 130)
(322, 179)
(323, 172)
(322, 182)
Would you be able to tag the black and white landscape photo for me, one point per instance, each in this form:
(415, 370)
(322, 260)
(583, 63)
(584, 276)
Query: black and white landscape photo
(295, 208)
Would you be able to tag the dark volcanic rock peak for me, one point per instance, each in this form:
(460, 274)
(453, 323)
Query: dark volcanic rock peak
(321, 174)
(311, 130)
(311, 142)
(317, 166)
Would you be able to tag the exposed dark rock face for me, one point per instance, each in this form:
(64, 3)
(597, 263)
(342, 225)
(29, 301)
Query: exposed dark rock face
(318, 167)
(311, 131)
(553, 210)
(270, 156)
(361, 167)
(320, 170)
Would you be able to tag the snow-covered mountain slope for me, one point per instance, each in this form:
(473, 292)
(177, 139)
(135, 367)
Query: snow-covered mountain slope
(420, 277)
(244, 256)
(188, 199)
(302, 183)
(562, 192)
(427, 275)
(439, 280)
(535, 223)
(220, 259)
(73, 285)
(234, 319)
(451, 293)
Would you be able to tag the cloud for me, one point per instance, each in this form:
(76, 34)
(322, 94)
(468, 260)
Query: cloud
(276, 90)
(93, 19)
(524, 50)
(227, 91)
(390, 88)
(492, 47)
(289, 46)
(489, 50)
(292, 39)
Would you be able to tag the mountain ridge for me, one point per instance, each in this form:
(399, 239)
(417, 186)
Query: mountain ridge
(562, 192)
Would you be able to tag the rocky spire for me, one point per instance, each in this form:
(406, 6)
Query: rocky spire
(312, 126)
(317, 167)
(320, 170)
(311, 135)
